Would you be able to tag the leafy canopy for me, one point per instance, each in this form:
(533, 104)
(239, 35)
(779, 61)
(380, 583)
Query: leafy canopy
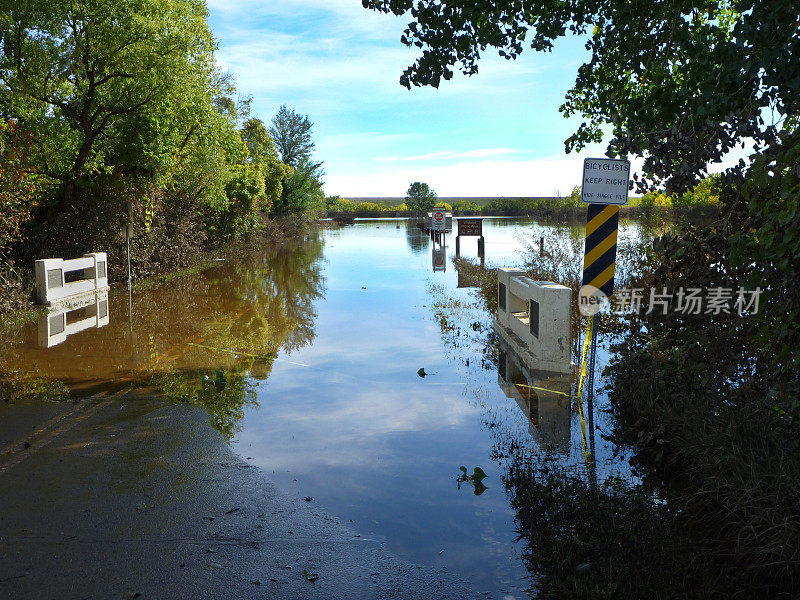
(98, 82)
(679, 83)
(420, 197)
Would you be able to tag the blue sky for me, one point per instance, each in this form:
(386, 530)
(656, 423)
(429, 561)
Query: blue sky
(498, 133)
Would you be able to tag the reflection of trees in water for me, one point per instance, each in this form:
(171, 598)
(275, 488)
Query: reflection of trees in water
(417, 240)
(260, 304)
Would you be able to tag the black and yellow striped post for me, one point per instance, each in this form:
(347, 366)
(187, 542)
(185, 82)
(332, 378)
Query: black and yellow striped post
(600, 255)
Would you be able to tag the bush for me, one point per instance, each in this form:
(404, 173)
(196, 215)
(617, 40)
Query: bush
(169, 230)
(466, 206)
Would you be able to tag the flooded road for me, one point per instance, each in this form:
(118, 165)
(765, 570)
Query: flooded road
(309, 358)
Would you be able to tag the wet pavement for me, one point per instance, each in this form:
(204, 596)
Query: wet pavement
(125, 497)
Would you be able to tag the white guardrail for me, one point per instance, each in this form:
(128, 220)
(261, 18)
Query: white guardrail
(54, 282)
(534, 318)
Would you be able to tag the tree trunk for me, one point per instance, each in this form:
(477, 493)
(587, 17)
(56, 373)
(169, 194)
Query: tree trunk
(70, 190)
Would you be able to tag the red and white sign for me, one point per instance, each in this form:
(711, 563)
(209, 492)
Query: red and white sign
(438, 220)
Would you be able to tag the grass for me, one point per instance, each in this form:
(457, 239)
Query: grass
(16, 387)
(608, 540)
(19, 317)
(729, 461)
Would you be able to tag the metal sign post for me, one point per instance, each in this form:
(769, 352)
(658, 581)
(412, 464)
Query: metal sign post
(128, 234)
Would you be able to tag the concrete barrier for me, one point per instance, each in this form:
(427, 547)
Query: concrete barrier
(534, 318)
(87, 311)
(52, 275)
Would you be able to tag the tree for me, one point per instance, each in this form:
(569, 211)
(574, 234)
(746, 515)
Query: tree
(291, 133)
(302, 189)
(679, 83)
(260, 146)
(17, 189)
(261, 151)
(420, 197)
(75, 72)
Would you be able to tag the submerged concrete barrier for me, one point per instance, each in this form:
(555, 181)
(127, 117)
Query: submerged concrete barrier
(56, 280)
(534, 318)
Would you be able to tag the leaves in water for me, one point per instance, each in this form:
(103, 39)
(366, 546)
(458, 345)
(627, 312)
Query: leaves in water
(475, 480)
(312, 577)
(478, 475)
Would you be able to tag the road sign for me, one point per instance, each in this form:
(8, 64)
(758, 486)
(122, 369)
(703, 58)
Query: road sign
(605, 181)
(438, 222)
(470, 226)
(601, 247)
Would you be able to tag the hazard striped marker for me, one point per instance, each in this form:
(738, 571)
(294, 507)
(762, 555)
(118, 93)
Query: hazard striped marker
(602, 222)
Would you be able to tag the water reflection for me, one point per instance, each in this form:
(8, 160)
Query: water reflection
(543, 396)
(439, 258)
(416, 239)
(87, 312)
(346, 419)
(199, 338)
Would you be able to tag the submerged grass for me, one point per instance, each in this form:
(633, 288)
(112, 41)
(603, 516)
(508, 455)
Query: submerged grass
(18, 387)
(730, 462)
(608, 540)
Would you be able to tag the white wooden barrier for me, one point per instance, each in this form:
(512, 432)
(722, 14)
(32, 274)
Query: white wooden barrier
(72, 316)
(51, 275)
(534, 318)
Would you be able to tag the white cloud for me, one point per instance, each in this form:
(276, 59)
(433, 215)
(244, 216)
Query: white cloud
(546, 176)
(454, 155)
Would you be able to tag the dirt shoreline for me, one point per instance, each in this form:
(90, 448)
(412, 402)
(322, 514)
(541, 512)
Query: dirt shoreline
(127, 497)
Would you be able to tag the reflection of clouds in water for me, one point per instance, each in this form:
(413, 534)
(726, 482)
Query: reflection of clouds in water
(349, 426)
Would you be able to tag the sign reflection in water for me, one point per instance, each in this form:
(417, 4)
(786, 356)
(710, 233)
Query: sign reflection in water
(87, 312)
(439, 258)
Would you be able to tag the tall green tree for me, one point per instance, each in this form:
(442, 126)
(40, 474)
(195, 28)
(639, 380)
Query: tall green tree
(291, 133)
(420, 197)
(79, 75)
(302, 189)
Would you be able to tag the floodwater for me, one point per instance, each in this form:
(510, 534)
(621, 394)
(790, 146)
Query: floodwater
(308, 359)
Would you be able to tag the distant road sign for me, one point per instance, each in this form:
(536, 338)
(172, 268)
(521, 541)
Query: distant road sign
(470, 227)
(438, 222)
(605, 181)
